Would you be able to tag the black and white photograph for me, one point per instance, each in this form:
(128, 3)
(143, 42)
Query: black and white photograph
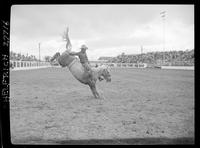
(109, 73)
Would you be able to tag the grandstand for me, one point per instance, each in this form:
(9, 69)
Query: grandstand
(168, 59)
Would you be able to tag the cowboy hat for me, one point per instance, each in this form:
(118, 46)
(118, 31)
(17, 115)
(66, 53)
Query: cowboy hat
(84, 47)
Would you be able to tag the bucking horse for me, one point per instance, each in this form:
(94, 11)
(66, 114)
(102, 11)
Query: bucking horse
(78, 71)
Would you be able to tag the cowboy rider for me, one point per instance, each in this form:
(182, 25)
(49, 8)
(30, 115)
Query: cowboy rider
(84, 59)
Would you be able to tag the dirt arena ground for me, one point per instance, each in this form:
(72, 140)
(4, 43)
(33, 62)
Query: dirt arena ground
(49, 106)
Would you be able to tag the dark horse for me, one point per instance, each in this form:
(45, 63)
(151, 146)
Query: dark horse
(78, 71)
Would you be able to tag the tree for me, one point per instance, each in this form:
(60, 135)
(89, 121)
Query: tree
(47, 58)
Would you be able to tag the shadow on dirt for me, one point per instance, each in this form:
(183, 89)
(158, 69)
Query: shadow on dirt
(131, 141)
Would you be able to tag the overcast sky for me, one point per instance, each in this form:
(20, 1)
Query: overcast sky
(107, 30)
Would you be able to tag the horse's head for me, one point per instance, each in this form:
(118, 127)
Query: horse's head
(55, 56)
(106, 74)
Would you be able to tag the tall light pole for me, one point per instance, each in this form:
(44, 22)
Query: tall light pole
(163, 14)
(141, 49)
(39, 52)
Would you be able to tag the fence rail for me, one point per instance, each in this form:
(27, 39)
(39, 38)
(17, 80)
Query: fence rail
(123, 65)
(18, 65)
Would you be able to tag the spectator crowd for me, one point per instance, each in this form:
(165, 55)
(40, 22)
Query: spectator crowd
(168, 58)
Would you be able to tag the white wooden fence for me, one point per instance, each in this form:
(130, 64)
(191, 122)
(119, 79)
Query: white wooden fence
(23, 65)
(123, 65)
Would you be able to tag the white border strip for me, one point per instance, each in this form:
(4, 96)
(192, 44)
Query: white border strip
(178, 67)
